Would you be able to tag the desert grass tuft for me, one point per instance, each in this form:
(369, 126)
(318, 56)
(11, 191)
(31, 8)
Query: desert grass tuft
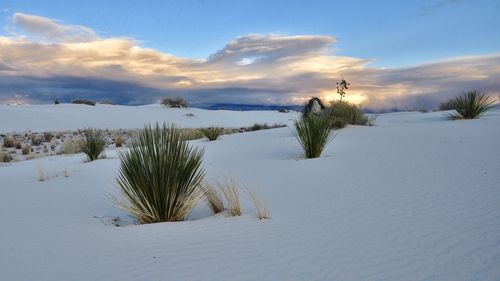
(160, 176)
(8, 142)
(213, 198)
(5, 157)
(229, 188)
(212, 133)
(469, 105)
(41, 176)
(26, 149)
(71, 147)
(119, 141)
(261, 209)
(313, 133)
(93, 144)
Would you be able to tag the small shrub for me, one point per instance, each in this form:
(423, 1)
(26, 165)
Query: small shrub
(93, 144)
(346, 113)
(213, 198)
(82, 101)
(5, 157)
(313, 133)
(259, 126)
(212, 133)
(19, 145)
(48, 136)
(71, 147)
(26, 149)
(119, 141)
(470, 105)
(160, 176)
(174, 102)
(8, 142)
(35, 140)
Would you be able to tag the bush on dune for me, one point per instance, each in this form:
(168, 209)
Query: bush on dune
(174, 102)
(470, 105)
(346, 113)
(313, 133)
(212, 133)
(93, 143)
(82, 101)
(161, 176)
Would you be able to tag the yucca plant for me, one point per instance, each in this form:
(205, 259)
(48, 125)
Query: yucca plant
(212, 133)
(160, 176)
(313, 133)
(93, 143)
(470, 105)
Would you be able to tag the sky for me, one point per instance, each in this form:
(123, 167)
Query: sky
(396, 54)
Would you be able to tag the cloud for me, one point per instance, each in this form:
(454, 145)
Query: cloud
(53, 30)
(67, 62)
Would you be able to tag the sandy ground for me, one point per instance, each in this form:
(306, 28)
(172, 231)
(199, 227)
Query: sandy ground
(416, 197)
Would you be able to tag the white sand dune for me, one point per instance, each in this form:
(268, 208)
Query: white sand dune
(416, 197)
(60, 117)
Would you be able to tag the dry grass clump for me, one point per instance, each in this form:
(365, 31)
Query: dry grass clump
(5, 157)
(48, 136)
(261, 209)
(26, 149)
(161, 176)
(313, 133)
(119, 141)
(9, 142)
(174, 102)
(212, 133)
(213, 198)
(41, 176)
(19, 145)
(93, 144)
(71, 147)
(35, 140)
(229, 189)
(192, 134)
(470, 105)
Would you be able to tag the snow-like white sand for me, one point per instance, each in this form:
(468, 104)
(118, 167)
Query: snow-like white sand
(416, 197)
(40, 118)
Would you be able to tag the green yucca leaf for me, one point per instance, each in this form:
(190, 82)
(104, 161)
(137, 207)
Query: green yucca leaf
(160, 175)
